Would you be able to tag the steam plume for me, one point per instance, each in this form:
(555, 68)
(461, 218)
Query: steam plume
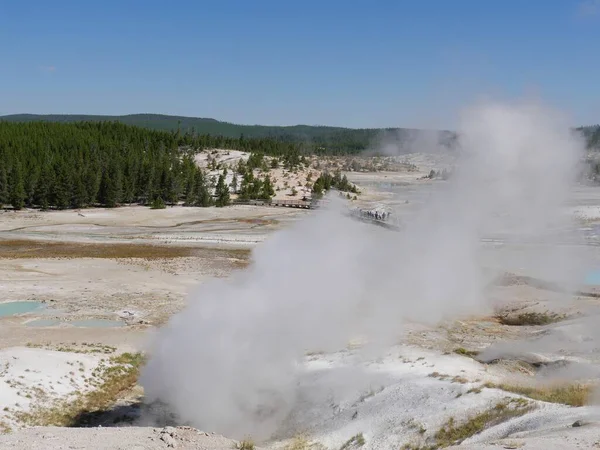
(230, 361)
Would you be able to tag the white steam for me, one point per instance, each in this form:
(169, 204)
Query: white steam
(230, 361)
(401, 142)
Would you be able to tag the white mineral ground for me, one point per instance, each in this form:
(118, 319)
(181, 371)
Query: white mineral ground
(392, 400)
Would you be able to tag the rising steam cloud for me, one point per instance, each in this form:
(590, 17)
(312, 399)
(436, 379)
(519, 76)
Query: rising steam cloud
(229, 362)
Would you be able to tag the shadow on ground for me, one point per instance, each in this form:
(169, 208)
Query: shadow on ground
(135, 414)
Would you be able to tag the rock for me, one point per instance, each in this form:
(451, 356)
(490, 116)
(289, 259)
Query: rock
(169, 440)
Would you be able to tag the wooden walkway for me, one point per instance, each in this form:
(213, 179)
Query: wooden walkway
(285, 203)
(292, 203)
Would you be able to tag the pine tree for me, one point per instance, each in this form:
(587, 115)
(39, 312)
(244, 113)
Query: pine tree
(93, 176)
(189, 174)
(4, 194)
(61, 194)
(168, 186)
(190, 192)
(110, 186)
(267, 190)
(234, 183)
(79, 199)
(158, 203)
(129, 182)
(17, 189)
(202, 194)
(45, 187)
(151, 190)
(318, 188)
(246, 186)
(31, 182)
(241, 167)
(222, 192)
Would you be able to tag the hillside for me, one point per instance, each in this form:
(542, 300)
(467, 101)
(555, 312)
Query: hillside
(321, 139)
(316, 139)
(199, 124)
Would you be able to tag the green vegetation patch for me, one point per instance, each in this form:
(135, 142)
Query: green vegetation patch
(566, 394)
(453, 433)
(246, 444)
(464, 352)
(109, 380)
(530, 318)
(358, 440)
(22, 249)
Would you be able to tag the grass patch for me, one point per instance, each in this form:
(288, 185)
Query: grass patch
(298, 443)
(439, 376)
(112, 378)
(246, 444)
(443, 376)
(459, 379)
(452, 433)
(464, 352)
(566, 394)
(83, 348)
(23, 249)
(5, 428)
(530, 318)
(132, 359)
(301, 442)
(358, 440)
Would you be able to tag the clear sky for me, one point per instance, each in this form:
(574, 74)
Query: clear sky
(356, 63)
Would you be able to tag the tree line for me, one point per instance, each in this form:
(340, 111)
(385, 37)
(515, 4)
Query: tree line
(75, 165)
(322, 140)
(311, 139)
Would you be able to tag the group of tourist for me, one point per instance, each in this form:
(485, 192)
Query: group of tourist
(368, 214)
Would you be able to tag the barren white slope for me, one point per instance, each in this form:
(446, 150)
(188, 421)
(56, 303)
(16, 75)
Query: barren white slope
(128, 438)
(404, 398)
(34, 376)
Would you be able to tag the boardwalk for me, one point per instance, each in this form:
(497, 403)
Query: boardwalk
(285, 203)
(292, 203)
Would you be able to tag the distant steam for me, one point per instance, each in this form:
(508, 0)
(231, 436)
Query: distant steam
(396, 142)
(229, 362)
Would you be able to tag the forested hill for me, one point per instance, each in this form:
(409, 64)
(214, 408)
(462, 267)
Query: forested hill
(313, 139)
(189, 124)
(317, 139)
(73, 165)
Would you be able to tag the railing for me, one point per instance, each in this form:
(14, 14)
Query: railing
(278, 202)
(291, 203)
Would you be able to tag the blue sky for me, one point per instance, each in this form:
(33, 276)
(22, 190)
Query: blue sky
(348, 63)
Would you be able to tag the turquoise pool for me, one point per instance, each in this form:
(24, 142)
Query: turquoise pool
(593, 278)
(43, 323)
(14, 308)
